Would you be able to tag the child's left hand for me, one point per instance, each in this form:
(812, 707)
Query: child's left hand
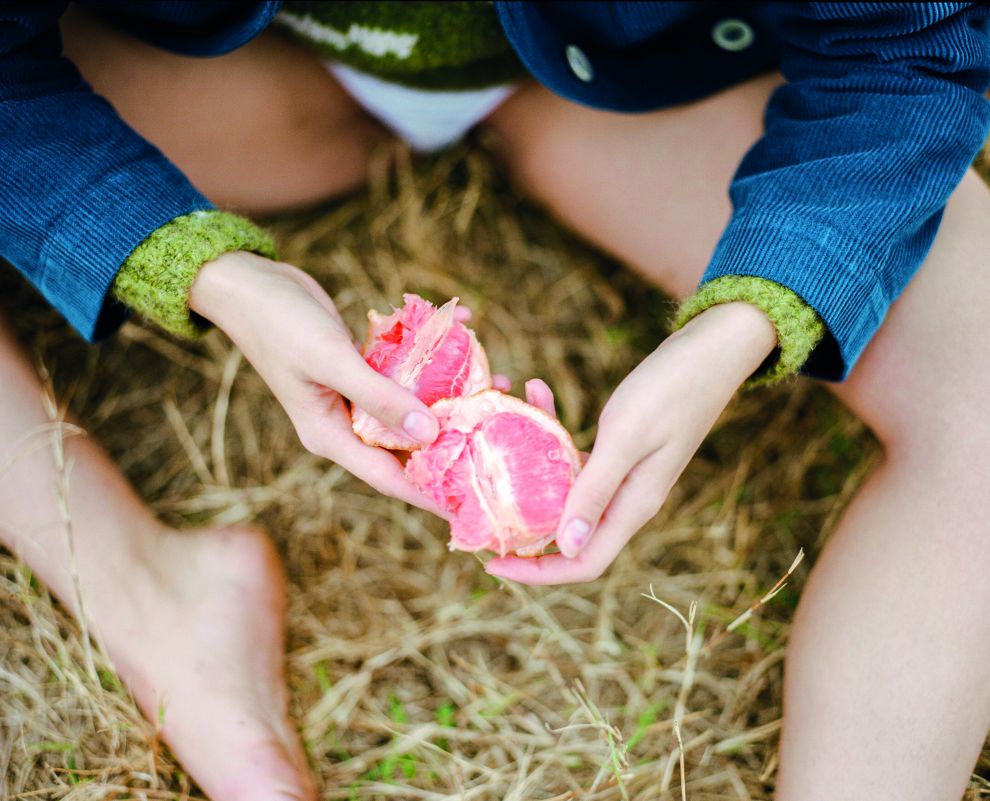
(647, 433)
(287, 326)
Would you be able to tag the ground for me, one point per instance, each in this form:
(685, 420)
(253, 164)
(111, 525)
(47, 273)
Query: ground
(413, 674)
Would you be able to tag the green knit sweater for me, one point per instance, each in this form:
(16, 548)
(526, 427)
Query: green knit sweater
(428, 45)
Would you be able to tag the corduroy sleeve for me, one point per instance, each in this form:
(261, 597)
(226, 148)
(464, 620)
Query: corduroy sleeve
(840, 200)
(79, 189)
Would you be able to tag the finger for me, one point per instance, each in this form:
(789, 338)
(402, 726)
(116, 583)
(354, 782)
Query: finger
(462, 314)
(379, 396)
(540, 395)
(610, 462)
(383, 472)
(501, 382)
(331, 437)
(629, 512)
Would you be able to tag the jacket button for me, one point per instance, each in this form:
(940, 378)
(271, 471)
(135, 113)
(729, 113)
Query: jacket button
(579, 63)
(732, 34)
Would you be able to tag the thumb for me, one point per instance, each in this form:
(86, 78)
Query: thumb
(590, 496)
(382, 398)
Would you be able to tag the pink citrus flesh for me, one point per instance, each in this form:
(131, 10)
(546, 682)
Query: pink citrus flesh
(501, 468)
(426, 350)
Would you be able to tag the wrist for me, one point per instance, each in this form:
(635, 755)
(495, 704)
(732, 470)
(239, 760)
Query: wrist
(731, 340)
(156, 278)
(220, 282)
(798, 327)
(744, 328)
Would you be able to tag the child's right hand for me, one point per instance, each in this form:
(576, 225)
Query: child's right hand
(648, 431)
(288, 328)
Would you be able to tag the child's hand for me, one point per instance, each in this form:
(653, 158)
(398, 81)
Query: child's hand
(647, 433)
(288, 328)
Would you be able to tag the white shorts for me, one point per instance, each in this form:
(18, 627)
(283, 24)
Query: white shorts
(427, 120)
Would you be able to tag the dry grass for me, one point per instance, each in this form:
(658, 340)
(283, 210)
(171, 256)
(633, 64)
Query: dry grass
(413, 674)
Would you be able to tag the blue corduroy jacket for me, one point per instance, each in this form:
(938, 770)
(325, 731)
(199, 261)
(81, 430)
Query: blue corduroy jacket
(840, 200)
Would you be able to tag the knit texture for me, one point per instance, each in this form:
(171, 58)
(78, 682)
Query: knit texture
(799, 328)
(156, 278)
(426, 45)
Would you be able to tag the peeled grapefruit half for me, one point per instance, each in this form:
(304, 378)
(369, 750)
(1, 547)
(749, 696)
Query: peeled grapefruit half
(502, 469)
(428, 352)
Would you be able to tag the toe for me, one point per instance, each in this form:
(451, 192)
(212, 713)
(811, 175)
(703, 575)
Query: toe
(263, 771)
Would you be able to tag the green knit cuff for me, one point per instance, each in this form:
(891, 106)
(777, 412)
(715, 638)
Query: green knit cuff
(799, 328)
(156, 278)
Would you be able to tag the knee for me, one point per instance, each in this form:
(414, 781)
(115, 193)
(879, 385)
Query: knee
(264, 128)
(529, 135)
(921, 383)
(943, 434)
(321, 162)
(648, 189)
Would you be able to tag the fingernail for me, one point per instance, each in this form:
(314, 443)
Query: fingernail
(574, 537)
(420, 427)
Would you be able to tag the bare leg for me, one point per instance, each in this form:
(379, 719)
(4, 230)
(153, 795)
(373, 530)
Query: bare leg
(193, 621)
(888, 668)
(263, 129)
(888, 685)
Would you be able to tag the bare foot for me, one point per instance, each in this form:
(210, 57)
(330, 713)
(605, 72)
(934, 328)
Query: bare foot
(193, 621)
(200, 646)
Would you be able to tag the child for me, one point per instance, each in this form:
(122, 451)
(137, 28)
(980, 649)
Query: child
(835, 207)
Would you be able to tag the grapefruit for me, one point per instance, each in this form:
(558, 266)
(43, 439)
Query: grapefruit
(424, 349)
(501, 468)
